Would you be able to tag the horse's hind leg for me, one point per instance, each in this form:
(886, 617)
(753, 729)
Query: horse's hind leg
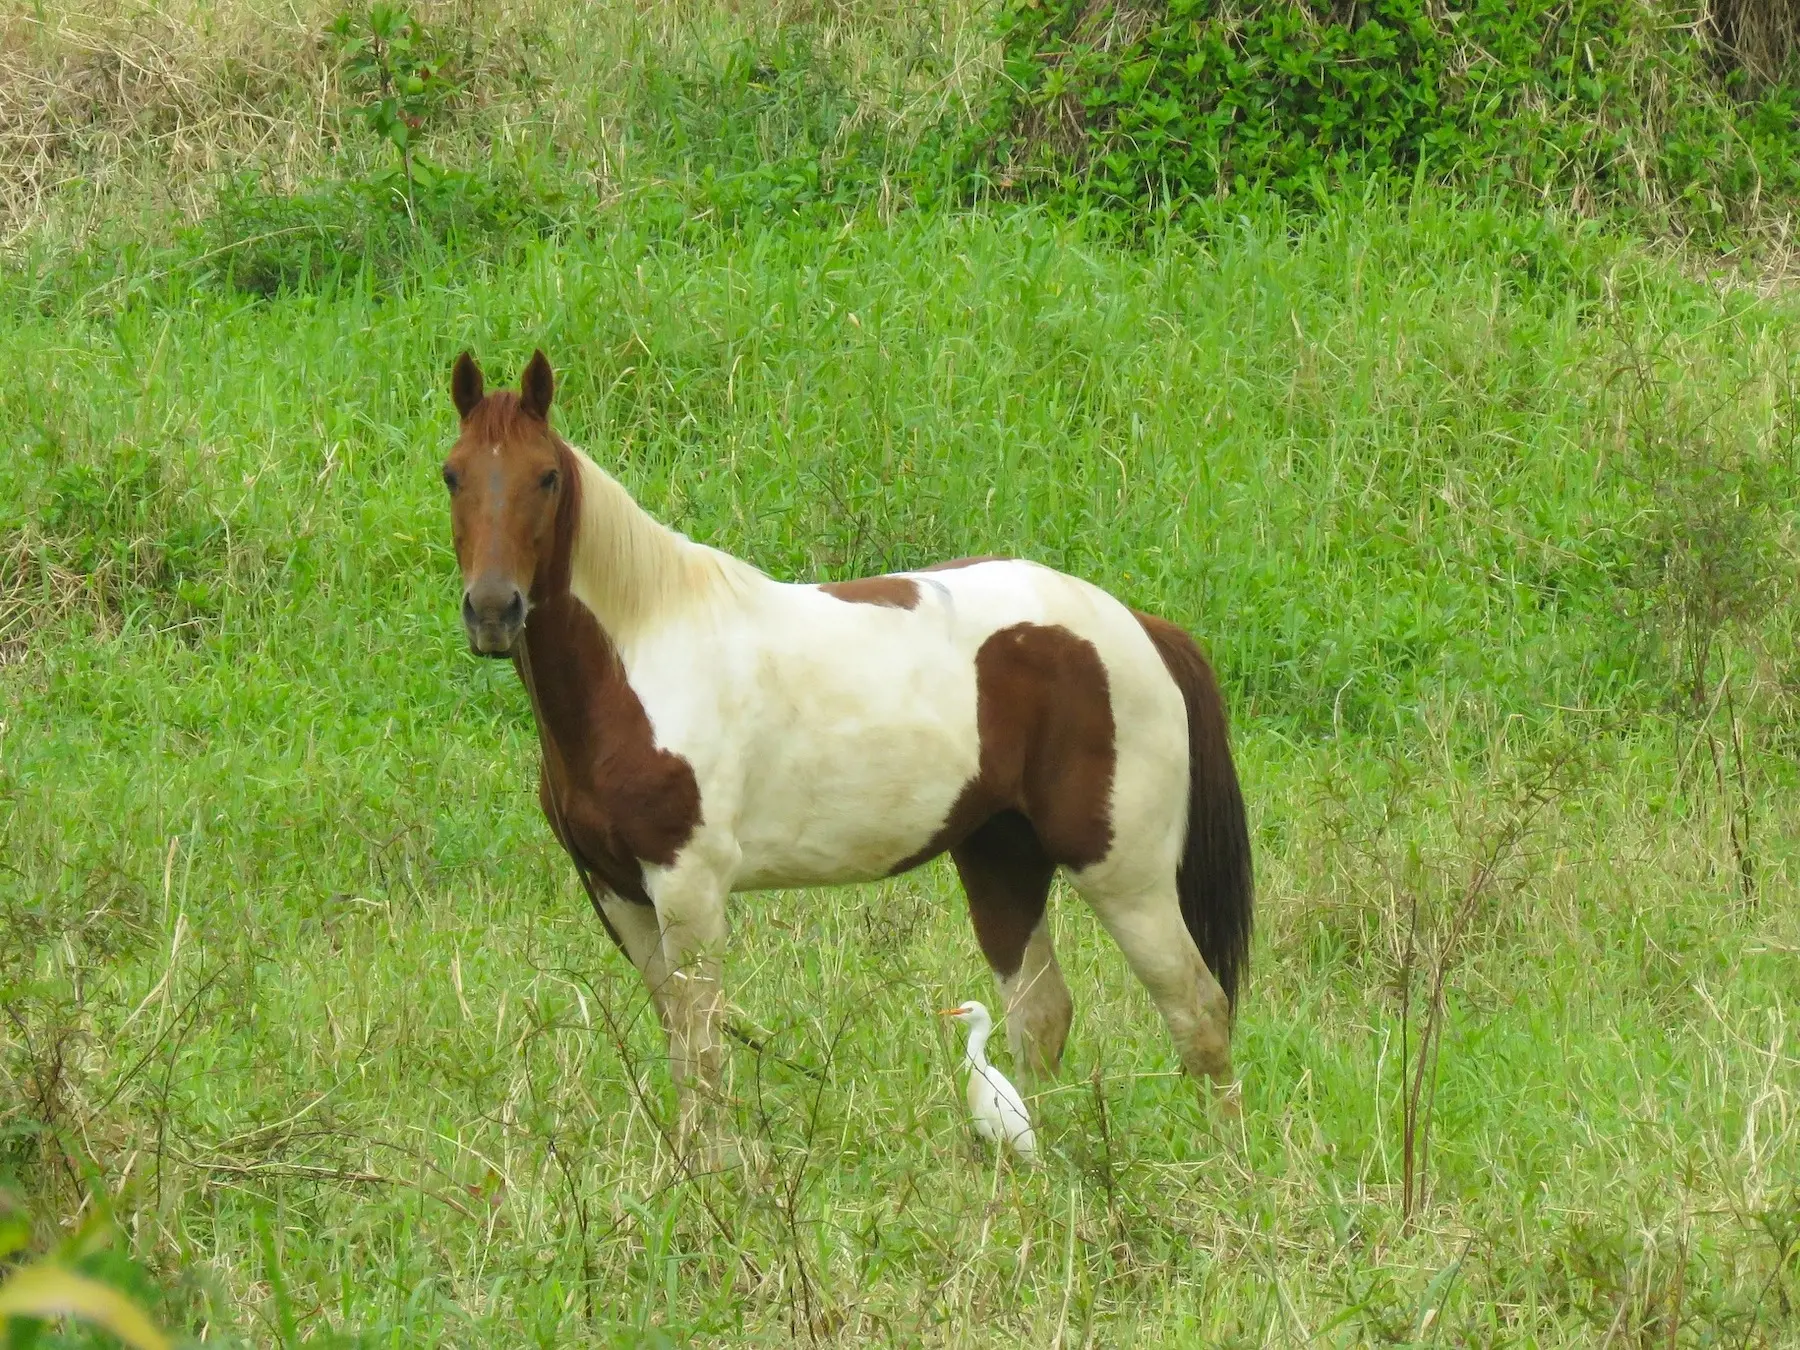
(1007, 875)
(1038, 1006)
(1149, 929)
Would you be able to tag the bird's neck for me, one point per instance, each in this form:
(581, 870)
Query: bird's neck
(977, 1051)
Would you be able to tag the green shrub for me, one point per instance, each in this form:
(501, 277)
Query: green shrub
(118, 533)
(765, 130)
(263, 242)
(1149, 106)
(762, 132)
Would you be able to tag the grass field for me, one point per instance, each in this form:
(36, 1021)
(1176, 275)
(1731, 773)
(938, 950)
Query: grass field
(1486, 516)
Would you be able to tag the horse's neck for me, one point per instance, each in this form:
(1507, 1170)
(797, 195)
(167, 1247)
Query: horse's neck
(571, 671)
(622, 579)
(635, 573)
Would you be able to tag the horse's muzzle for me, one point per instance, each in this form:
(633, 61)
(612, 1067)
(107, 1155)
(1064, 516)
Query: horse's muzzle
(493, 617)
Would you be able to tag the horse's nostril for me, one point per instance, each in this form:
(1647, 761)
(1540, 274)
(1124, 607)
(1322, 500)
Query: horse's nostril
(493, 613)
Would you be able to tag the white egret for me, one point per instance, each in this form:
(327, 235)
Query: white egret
(998, 1109)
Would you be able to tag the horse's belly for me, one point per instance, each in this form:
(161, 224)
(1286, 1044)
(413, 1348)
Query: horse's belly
(854, 815)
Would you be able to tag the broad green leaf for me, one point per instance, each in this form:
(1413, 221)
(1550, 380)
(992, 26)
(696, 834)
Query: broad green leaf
(50, 1291)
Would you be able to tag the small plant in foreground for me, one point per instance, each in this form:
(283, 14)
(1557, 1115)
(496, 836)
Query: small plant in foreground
(1434, 945)
(78, 1282)
(387, 57)
(1435, 902)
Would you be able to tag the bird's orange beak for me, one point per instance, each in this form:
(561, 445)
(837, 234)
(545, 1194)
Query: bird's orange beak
(949, 1012)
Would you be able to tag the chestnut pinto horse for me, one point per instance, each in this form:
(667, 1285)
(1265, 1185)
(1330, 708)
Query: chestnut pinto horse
(706, 730)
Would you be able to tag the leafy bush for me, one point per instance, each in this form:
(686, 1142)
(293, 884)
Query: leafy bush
(391, 63)
(399, 70)
(262, 241)
(1146, 105)
(764, 130)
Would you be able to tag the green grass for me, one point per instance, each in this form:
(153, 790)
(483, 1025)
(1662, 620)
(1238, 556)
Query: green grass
(297, 983)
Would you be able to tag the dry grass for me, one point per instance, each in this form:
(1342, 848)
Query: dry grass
(35, 593)
(151, 100)
(142, 107)
(1762, 37)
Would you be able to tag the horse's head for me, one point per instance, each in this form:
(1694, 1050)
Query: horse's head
(508, 479)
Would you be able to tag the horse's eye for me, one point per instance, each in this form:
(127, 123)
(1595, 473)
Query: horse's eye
(450, 479)
(548, 481)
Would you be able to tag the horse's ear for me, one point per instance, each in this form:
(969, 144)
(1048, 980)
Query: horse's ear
(536, 387)
(465, 385)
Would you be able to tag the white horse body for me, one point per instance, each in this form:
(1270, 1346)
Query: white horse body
(831, 738)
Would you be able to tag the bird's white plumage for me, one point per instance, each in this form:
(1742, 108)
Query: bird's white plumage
(997, 1109)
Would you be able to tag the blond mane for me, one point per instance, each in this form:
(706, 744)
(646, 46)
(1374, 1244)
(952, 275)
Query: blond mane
(633, 571)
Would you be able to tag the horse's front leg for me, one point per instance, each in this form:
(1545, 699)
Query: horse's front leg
(635, 926)
(690, 908)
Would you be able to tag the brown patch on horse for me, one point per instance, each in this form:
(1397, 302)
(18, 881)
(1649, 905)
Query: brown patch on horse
(1044, 711)
(1043, 792)
(952, 564)
(614, 798)
(892, 592)
(896, 592)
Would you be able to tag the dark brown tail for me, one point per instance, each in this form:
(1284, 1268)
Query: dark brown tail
(1214, 879)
